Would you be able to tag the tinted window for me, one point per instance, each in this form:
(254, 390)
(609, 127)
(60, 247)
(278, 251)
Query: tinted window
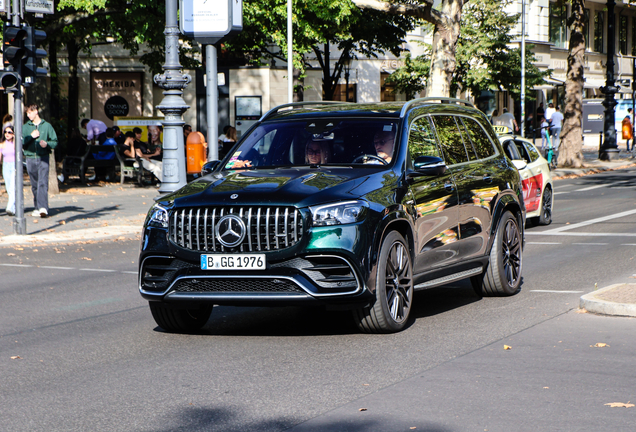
(422, 139)
(472, 155)
(450, 140)
(483, 145)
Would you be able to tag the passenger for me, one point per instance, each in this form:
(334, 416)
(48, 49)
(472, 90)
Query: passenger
(316, 153)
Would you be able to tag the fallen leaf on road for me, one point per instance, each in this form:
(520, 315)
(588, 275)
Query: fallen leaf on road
(600, 345)
(581, 311)
(18, 357)
(87, 259)
(62, 222)
(620, 405)
(362, 409)
(10, 254)
(507, 347)
(413, 428)
(19, 248)
(546, 388)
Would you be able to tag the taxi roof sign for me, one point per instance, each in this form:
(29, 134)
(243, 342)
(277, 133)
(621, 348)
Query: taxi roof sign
(502, 129)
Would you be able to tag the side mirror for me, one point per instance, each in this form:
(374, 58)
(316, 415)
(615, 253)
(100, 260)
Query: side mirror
(429, 166)
(209, 167)
(519, 164)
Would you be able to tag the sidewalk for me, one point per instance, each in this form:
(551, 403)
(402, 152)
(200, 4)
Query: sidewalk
(81, 213)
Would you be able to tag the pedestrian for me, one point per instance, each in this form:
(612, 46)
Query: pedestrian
(149, 155)
(229, 141)
(7, 157)
(627, 131)
(556, 123)
(39, 138)
(494, 117)
(549, 111)
(540, 112)
(187, 130)
(508, 120)
(7, 120)
(96, 130)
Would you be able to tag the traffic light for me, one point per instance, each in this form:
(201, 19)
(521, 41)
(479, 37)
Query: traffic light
(13, 51)
(30, 69)
(9, 81)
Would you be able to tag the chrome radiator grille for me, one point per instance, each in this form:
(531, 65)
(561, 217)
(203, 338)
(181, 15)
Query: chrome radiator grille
(267, 228)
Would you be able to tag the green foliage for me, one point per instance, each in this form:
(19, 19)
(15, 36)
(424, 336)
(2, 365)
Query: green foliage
(486, 57)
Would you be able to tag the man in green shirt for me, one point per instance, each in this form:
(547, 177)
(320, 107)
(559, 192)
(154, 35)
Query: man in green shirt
(39, 138)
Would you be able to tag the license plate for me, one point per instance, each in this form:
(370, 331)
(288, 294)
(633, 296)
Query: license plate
(233, 262)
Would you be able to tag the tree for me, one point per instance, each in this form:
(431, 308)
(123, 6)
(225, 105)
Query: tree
(485, 60)
(446, 29)
(571, 135)
(320, 27)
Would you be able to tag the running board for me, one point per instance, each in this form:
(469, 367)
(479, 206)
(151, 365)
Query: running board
(450, 278)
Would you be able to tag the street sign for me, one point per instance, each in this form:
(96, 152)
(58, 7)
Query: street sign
(210, 21)
(39, 6)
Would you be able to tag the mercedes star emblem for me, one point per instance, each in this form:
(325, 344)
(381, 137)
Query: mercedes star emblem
(230, 230)
(234, 196)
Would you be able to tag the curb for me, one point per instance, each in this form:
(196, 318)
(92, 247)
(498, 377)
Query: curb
(86, 234)
(595, 305)
(565, 173)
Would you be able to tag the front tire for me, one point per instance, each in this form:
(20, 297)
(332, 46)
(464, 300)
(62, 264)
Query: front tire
(393, 290)
(175, 320)
(545, 218)
(502, 277)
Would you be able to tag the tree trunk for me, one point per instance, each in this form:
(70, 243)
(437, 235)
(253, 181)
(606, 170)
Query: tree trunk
(445, 37)
(54, 188)
(572, 133)
(73, 87)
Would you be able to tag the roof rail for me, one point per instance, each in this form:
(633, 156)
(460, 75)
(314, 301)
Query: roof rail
(431, 99)
(296, 104)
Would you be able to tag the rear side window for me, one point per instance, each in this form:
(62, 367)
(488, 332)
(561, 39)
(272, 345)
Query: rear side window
(479, 138)
(450, 139)
(532, 151)
(422, 139)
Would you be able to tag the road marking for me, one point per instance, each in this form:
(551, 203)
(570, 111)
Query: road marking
(17, 265)
(130, 272)
(600, 186)
(543, 243)
(586, 234)
(591, 221)
(628, 244)
(595, 244)
(557, 291)
(97, 270)
(57, 268)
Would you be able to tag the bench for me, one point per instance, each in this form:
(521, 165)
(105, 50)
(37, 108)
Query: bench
(77, 165)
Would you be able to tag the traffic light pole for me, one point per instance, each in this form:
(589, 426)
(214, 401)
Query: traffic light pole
(19, 222)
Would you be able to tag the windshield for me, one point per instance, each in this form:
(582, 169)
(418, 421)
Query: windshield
(317, 142)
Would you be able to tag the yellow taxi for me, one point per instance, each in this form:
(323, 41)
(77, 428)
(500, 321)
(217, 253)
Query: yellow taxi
(537, 183)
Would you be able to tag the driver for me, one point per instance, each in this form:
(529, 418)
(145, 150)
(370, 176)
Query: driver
(316, 153)
(383, 143)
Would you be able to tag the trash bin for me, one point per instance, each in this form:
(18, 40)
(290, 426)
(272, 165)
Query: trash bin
(195, 151)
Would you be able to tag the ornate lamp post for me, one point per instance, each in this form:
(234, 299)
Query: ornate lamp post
(609, 149)
(172, 106)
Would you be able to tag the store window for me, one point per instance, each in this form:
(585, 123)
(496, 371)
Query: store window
(599, 26)
(558, 24)
(622, 34)
(386, 89)
(340, 93)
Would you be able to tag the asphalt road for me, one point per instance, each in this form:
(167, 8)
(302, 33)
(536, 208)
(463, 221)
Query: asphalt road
(80, 351)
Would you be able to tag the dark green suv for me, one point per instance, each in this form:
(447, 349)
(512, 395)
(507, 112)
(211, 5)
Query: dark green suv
(346, 205)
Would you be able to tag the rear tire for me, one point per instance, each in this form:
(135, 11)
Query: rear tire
(175, 320)
(502, 277)
(393, 289)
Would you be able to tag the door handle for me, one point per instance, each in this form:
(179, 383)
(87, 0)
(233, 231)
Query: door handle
(449, 187)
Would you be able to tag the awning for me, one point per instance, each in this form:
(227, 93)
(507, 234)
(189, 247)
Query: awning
(550, 83)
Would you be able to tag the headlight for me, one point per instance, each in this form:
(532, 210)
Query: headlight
(157, 217)
(338, 213)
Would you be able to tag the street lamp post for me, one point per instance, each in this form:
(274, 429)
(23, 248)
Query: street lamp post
(609, 149)
(172, 106)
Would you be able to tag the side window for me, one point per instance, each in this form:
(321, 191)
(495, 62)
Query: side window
(522, 151)
(481, 142)
(450, 139)
(511, 150)
(533, 152)
(472, 155)
(422, 139)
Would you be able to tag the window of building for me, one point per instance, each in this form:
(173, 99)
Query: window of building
(599, 26)
(386, 89)
(622, 34)
(340, 93)
(558, 23)
(634, 37)
(586, 28)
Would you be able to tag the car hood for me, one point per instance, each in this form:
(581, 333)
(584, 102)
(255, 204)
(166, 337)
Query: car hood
(291, 186)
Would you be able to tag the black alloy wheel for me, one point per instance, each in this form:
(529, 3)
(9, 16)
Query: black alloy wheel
(393, 291)
(545, 218)
(502, 277)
